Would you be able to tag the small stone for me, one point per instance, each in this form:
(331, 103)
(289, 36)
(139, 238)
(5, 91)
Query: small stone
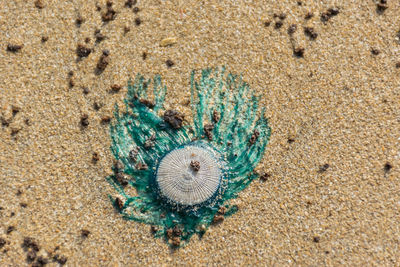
(116, 88)
(316, 239)
(14, 48)
(168, 41)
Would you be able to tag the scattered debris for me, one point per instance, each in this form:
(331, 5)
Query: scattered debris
(375, 51)
(309, 15)
(85, 90)
(327, 15)
(40, 261)
(82, 51)
(169, 63)
(116, 88)
(133, 154)
(120, 177)
(298, 52)
(130, 3)
(31, 256)
(103, 62)
(30, 243)
(168, 41)
(292, 29)
(10, 229)
(195, 165)
(208, 128)
(105, 119)
(79, 20)
(110, 14)
(254, 137)
(310, 32)
(174, 118)
(119, 203)
(85, 233)
(387, 167)
(138, 21)
(381, 6)
(45, 39)
(2, 242)
(148, 103)
(316, 239)
(398, 65)
(278, 24)
(218, 218)
(14, 48)
(264, 177)
(141, 166)
(99, 36)
(144, 55)
(39, 4)
(97, 106)
(85, 120)
(126, 30)
(149, 143)
(267, 23)
(95, 157)
(215, 116)
(323, 168)
(60, 259)
(136, 10)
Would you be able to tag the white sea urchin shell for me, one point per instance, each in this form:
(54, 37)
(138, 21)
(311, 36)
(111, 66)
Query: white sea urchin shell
(180, 183)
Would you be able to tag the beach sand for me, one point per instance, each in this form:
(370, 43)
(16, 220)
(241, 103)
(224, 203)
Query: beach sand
(331, 93)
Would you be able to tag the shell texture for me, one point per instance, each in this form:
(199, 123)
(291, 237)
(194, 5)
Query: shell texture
(185, 174)
(178, 182)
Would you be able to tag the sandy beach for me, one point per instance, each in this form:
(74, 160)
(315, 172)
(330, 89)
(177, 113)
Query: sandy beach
(328, 73)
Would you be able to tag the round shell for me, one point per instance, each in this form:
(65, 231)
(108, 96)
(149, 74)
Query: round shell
(188, 175)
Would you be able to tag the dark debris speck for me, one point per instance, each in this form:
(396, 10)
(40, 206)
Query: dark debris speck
(169, 63)
(60, 259)
(298, 52)
(14, 48)
(316, 239)
(10, 229)
(310, 32)
(323, 168)
(174, 118)
(85, 233)
(84, 120)
(138, 21)
(387, 167)
(83, 51)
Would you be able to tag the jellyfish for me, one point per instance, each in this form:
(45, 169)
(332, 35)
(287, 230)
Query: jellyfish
(184, 172)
